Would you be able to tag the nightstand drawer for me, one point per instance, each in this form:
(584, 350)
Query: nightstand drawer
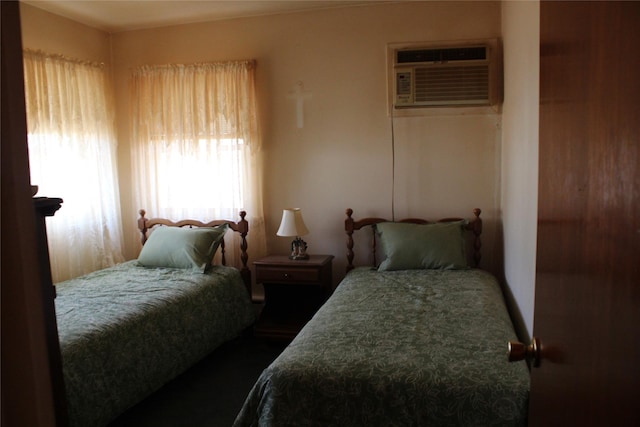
(284, 274)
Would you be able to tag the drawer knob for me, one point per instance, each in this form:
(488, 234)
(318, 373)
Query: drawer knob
(286, 275)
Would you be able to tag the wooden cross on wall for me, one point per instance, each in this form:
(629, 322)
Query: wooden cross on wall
(299, 95)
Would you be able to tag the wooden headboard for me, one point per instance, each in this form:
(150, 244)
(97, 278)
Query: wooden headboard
(241, 227)
(474, 226)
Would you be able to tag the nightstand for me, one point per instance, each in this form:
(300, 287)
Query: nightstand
(293, 291)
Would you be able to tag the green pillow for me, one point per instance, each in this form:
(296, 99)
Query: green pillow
(422, 246)
(187, 248)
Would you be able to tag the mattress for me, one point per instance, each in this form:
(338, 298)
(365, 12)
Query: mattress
(127, 330)
(398, 348)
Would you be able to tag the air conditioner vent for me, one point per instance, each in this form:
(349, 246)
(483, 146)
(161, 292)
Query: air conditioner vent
(441, 55)
(447, 85)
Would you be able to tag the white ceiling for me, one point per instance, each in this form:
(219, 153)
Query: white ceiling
(125, 15)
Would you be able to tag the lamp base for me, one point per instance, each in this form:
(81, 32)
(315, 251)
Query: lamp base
(298, 250)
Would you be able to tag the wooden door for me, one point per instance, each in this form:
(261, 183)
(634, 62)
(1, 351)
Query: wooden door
(587, 306)
(32, 393)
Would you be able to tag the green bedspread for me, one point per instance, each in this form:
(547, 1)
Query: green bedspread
(399, 348)
(127, 330)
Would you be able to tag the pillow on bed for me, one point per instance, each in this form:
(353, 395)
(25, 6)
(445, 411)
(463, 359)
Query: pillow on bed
(422, 246)
(187, 248)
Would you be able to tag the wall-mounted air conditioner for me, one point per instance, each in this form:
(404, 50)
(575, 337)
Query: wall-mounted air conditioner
(454, 74)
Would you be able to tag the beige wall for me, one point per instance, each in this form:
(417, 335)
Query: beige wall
(446, 163)
(342, 156)
(51, 33)
(521, 35)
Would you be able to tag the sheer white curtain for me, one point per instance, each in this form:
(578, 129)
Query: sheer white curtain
(196, 148)
(72, 155)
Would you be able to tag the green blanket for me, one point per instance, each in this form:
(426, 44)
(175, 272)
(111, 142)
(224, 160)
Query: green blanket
(127, 330)
(399, 348)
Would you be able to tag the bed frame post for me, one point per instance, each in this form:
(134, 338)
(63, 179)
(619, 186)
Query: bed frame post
(245, 272)
(142, 225)
(348, 226)
(476, 228)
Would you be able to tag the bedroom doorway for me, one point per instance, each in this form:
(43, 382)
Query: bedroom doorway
(587, 306)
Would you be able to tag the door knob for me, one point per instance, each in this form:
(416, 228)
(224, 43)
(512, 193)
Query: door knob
(520, 351)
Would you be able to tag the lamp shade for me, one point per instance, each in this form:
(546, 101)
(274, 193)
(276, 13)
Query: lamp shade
(292, 224)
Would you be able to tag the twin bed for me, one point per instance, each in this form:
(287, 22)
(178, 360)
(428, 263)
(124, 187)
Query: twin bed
(127, 330)
(417, 340)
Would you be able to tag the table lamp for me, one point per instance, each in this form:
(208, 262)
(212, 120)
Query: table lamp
(292, 225)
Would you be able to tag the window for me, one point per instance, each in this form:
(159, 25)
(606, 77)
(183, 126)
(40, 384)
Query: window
(72, 155)
(195, 144)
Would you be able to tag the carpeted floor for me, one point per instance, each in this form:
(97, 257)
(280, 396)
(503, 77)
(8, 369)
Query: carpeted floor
(209, 394)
